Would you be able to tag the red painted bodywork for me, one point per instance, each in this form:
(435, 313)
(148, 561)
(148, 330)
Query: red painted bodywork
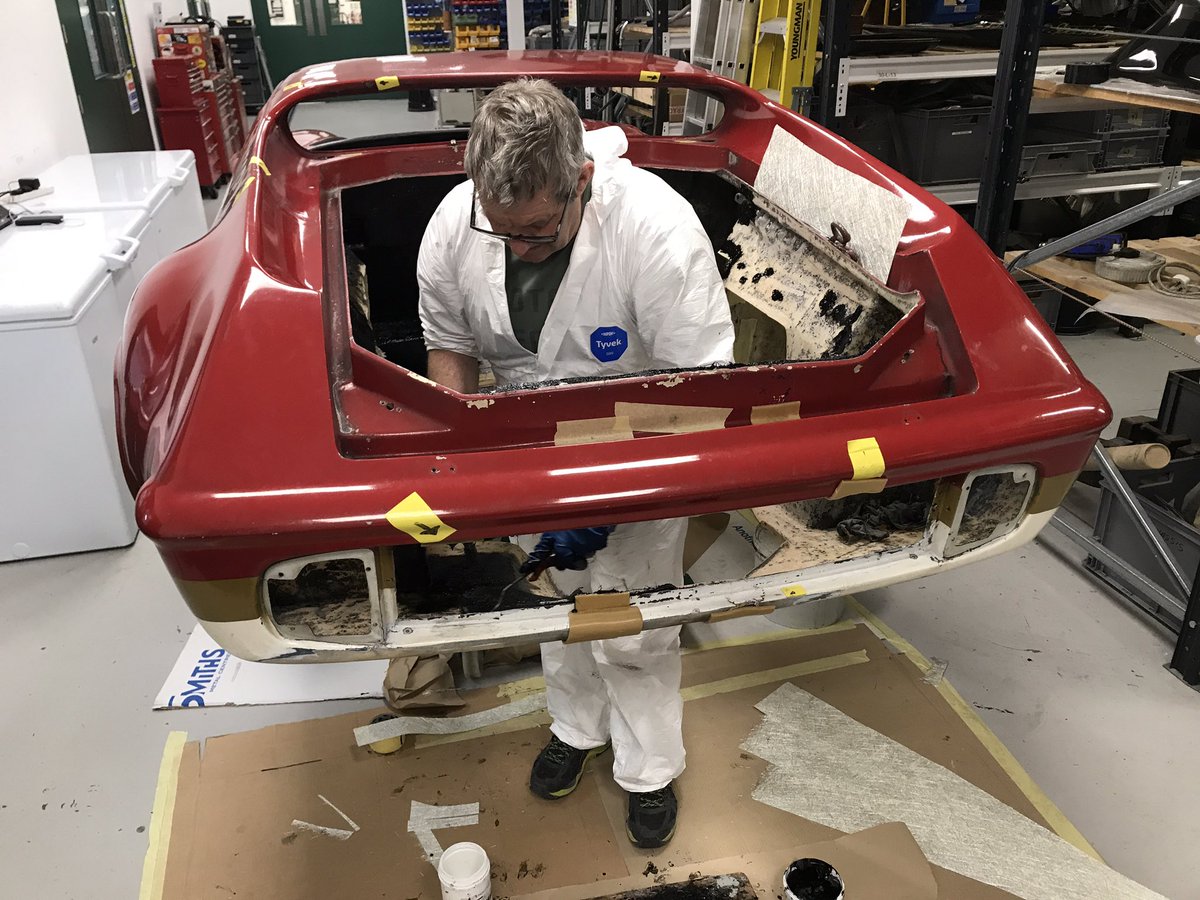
(252, 430)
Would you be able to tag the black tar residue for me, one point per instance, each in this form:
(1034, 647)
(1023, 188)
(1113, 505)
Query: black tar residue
(695, 888)
(839, 314)
(777, 295)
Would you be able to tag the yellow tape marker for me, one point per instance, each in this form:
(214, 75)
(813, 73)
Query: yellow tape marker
(416, 518)
(652, 77)
(255, 161)
(387, 82)
(249, 181)
(866, 458)
(293, 85)
(154, 866)
(794, 590)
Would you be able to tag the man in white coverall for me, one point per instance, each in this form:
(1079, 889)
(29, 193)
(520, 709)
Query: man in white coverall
(559, 259)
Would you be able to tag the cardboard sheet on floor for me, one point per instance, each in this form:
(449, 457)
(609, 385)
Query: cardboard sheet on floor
(237, 800)
(206, 675)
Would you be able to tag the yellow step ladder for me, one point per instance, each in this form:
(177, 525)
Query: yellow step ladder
(785, 54)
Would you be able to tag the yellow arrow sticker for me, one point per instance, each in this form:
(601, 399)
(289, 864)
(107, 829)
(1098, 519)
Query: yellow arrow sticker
(866, 458)
(652, 77)
(413, 516)
(255, 161)
(387, 82)
(794, 590)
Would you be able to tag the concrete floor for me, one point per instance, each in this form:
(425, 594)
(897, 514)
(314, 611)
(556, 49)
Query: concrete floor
(1069, 677)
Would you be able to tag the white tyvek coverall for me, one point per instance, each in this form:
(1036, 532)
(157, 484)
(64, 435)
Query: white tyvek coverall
(642, 291)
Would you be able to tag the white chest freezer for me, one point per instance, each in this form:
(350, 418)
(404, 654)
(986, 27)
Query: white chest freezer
(161, 183)
(63, 293)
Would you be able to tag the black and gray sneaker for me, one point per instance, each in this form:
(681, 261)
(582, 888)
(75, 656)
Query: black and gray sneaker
(652, 815)
(558, 768)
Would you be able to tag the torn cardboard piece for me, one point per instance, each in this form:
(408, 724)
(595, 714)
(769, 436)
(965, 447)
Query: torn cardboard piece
(207, 675)
(775, 412)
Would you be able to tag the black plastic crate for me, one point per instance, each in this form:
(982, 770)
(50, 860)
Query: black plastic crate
(942, 146)
(1052, 152)
(1179, 412)
(1101, 122)
(1132, 150)
(871, 126)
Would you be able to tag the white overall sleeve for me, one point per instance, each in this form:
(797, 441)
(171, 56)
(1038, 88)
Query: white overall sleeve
(682, 311)
(441, 304)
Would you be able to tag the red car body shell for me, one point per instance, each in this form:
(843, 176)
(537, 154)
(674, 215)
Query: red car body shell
(253, 430)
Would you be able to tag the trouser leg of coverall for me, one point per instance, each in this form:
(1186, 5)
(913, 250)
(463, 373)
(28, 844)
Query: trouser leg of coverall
(624, 688)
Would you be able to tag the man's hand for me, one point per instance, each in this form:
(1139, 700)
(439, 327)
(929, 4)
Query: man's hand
(567, 549)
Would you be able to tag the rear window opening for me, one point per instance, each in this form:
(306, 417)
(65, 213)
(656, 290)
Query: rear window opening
(793, 298)
(470, 579)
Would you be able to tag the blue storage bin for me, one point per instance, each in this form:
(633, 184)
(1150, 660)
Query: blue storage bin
(950, 12)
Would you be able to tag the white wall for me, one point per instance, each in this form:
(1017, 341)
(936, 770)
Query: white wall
(39, 115)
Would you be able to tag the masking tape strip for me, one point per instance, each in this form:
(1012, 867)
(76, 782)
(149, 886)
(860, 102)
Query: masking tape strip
(866, 458)
(652, 77)
(592, 431)
(784, 673)
(696, 692)
(739, 612)
(1057, 821)
(511, 690)
(255, 161)
(340, 834)
(249, 181)
(402, 725)
(866, 486)
(601, 616)
(423, 818)
(154, 867)
(775, 412)
(666, 419)
(353, 825)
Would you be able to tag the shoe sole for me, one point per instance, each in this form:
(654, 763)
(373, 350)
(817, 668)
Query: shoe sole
(559, 794)
(649, 846)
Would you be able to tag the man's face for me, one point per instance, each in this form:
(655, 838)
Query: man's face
(538, 216)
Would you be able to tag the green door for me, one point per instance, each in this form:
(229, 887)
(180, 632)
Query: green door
(105, 73)
(299, 33)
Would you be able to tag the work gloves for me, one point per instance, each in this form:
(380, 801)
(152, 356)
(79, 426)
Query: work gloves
(567, 549)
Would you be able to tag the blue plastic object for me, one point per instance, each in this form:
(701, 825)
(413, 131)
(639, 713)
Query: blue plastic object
(1100, 246)
(948, 12)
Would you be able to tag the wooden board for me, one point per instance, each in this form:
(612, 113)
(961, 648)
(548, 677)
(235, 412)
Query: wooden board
(1122, 90)
(1079, 275)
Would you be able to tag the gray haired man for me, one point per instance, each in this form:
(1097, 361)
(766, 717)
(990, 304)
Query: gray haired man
(560, 259)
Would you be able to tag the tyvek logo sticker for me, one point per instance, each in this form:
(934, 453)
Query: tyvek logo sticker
(609, 343)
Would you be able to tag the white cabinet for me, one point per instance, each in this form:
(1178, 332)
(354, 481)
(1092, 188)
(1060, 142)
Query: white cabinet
(64, 290)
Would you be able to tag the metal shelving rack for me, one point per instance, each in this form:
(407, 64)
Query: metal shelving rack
(839, 71)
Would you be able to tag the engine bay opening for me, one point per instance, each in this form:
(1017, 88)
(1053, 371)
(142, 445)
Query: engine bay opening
(793, 297)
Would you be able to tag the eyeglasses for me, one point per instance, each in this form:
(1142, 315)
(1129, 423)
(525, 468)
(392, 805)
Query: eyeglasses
(523, 238)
